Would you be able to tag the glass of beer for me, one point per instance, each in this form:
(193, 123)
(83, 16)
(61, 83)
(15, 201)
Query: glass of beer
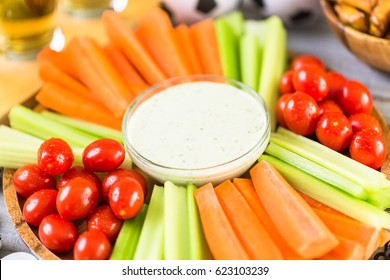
(86, 8)
(26, 26)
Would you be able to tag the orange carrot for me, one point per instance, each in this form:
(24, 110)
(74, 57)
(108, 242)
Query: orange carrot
(367, 236)
(57, 58)
(155, 31)
(346, 250)
(124, 38)
(294, 218)
(51, 73)
(250, 231)
(247, 190)
(96, 72)
(133, 79)
(384, 237)
(205, 41)
(71, 104)
(187, 49)
(220, 235)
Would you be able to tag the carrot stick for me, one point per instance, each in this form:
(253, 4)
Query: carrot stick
(294, 218)
(132, 78)
(220, 235)
(205, 41)
(69, 103)
(57, 58)
(367, 236)
(346, 250)
(247, 190)
(250, 231)
(51, 73)
(155, 31)
(124, 38)
(186, 48)
(96, 72)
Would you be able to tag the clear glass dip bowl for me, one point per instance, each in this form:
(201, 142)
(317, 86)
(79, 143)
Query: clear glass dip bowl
(214, 171)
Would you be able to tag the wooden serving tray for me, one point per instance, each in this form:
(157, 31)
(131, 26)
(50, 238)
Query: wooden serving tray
(29, 235)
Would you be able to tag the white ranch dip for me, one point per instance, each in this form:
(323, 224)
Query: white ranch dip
(196, 125)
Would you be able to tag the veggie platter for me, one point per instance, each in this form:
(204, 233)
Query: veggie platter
(308, 163)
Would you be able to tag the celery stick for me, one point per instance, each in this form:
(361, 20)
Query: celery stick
(329, 158)
(85, 126)
(199, 249)
(329, 195)
(249, 60)
(128, 236)
(28, 121)
(308, 166)
(235, 20)
(8, 133)
(228, 49)
(176, 236)
(274, 60)
(151, 241)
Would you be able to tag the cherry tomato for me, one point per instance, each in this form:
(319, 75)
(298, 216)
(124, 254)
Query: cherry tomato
(286, 83)
(307, 60)
(112, 177)
(355, 98)
(103, 155)
(280, 105)
(335, 81)
(368, 147)
(104, 220)
(334, 131)
(92, 245)
(328, 105)
(55, 156)
(362, 121)
(126, 197)
(57, 234)
(301, 113)
(77, 198)
(39, 205)
(312, 82)
(29, 179)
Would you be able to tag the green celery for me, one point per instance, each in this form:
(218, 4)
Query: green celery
(31, 122)
(228, 48)
(274, 61)
(199, 249)
(249, 60)
(329, 195)
(151, 241)
(236, 21)
(313, 168)
(127, 240)
(85, 126)
(8, 133)
(176, 236)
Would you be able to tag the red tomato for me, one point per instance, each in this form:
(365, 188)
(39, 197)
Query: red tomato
(368, 147)
(103, 155)
(280, 105)
(355, 98)
(301, 113)
(335, 81)
(112, 177)
(312, 82)
(286, 83)
(55, 156)
(39, 205)
(92, 245)
(362, 121)
(57, 233)
(307, 60)
(328, 105)
(104, 220)
(126, 197)
(77, 198)
(29, 179)
(334, 131)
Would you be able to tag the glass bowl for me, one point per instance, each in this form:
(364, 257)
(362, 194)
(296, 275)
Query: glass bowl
(196, 129)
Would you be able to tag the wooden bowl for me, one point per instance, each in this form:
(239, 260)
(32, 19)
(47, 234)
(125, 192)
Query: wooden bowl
(372, 50)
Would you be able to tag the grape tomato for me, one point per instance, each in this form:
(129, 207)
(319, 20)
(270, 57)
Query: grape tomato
(312, 82)
(362, 121)
(355, 98)
(39, 205)
(307, 61)
(92, 245)
(103, 219)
